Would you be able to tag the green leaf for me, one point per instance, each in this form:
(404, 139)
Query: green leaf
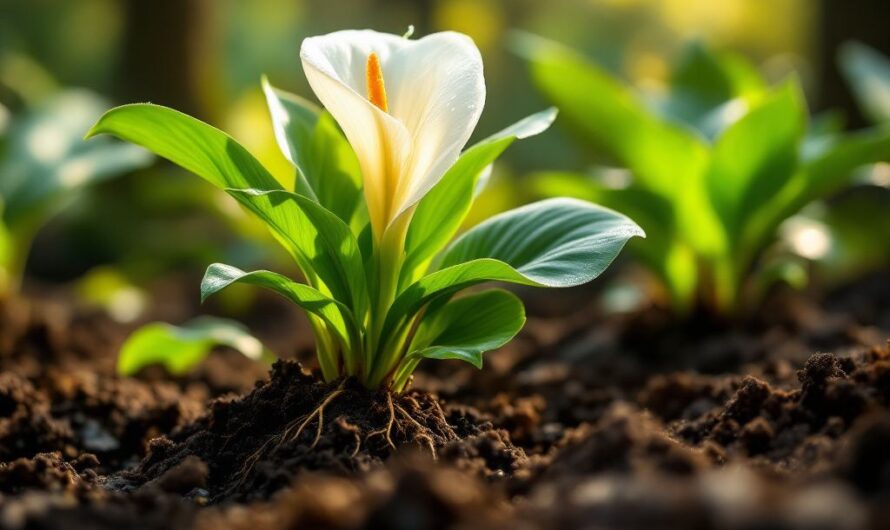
(47, 161)
(703, 80)
(819, 176)
(611, 117)
(663, 250)
(326, 242)
(337, 316)
(755, 157)
(469, 326)
(188, 142)
(181, 348)
(868, 73)
(551, 243)
(441, 212)
(311, 140)
(216, 157)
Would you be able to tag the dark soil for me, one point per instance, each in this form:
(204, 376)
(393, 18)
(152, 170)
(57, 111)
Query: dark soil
(587, 420)
(249, 448)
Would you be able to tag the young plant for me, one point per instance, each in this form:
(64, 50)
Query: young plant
(44, 163)
(711, 168)
(376, 204)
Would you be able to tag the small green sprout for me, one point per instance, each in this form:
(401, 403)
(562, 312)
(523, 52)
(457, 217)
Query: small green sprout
(44, 164)
(710, 169)
(190, 344)
(376, 205)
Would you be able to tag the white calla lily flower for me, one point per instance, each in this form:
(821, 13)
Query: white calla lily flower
(406, 106)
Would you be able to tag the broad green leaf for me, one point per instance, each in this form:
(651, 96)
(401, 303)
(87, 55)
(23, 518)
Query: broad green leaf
(180, 348)
(860, 229)
(326, 242)
(868, 73)
(832, 168)
(216, 157)
(469, 326)
(612, 118)
(441, 212)
(703, 80)
(755, 157)
(555, 242)
(311, 140)
(818, 177)
(294, 120)
(47, 160)
(337, 316)
(551, 243)
(188, 142)
(663, 249)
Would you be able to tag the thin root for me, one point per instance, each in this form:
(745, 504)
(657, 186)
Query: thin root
(422, 431)
(284, 436)
(319, 411)
(453, 435)
(387, 432)
(358, 445)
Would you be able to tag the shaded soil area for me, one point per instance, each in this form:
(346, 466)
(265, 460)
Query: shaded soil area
(587, 420)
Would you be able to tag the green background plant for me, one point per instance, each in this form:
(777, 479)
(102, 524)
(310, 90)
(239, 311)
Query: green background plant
(717, 162)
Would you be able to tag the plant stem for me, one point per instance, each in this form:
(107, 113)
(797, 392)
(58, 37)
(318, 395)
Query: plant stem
(389, 256)
(325, 351)
(13, 273)
(726, 286)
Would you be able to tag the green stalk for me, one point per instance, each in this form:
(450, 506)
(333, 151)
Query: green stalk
(389, 257)
(325, 350)
(402, 373)
(13, 273)
(726, 292)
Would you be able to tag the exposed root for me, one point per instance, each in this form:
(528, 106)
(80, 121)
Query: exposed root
(422, 431)
(279, 439)
(319, 411)
(387, 432)
(441, 413)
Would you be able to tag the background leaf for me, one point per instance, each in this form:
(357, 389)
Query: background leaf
(703, 80)
(180, 348)
(868, 73)
(612, 118)
(755, 157)
(47, 160)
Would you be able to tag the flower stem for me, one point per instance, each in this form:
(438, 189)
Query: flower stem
(389, 257)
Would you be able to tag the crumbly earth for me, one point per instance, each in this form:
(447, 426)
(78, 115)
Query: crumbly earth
(634, 422)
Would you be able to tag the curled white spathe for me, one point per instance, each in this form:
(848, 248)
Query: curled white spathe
(435, 90)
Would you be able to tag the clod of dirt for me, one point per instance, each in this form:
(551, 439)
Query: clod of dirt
(255, 445)
(625, 440)
(78, 412)
(796, 431)
(407, 494)
(35, 334)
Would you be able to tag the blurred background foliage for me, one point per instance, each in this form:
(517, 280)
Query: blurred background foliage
(205, 57)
